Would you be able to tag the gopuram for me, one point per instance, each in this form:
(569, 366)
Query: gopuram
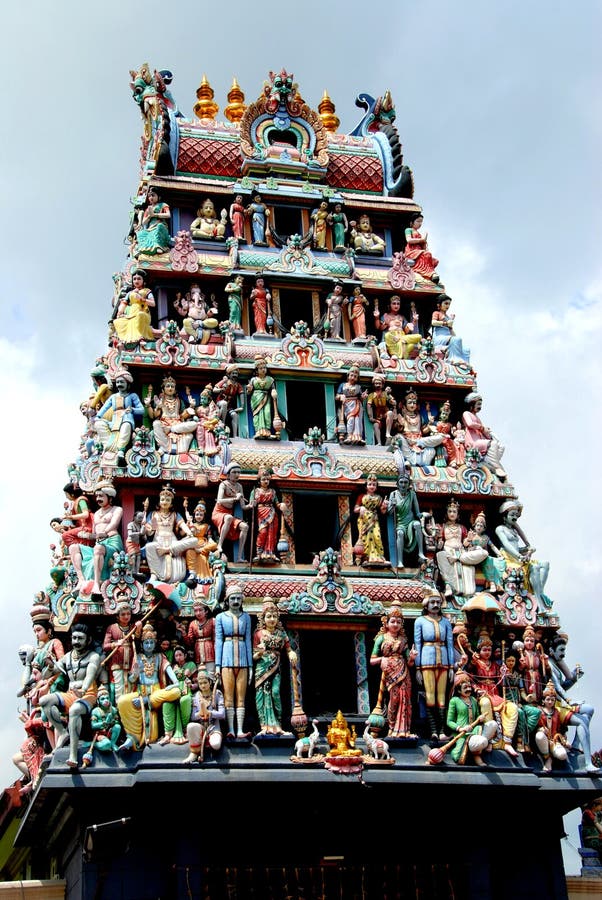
(294, 640)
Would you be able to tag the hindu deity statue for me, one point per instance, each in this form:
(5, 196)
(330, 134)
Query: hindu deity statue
(152, 234)
(333, 325)
(339, 223)
(234, 658)
(402, 504)
(550, 735)
(464, 717)
(174, 422)
(571, 712)
(93, 563)
(197, 557)
(381, 408)
(237, 218)
(364, 240)
(532, 664)
(263, 397)
(493, 565)
(444, 338)
(320, 219)
(229, 396)
(434, 642)
(116, 418)
(350, 396)
(264, 501)
(208, 418)
(487, 675)
(259, 214)
(367, 508)
(261, 300)
(207, 227)
(391, 653)
(269, 640)
(233, 291)
(201, 637)
(207, 714)
(456, 561)
(230, 495)
(356, 310)
(518, 554)
(513, 687)
(199, 320)
(165, 551)
(155, 683)
(120, 649)
(417, 252)
(480, 437)
(132, 323)
(401, 337)
(341, 738)
(176, 713)
(80, 667)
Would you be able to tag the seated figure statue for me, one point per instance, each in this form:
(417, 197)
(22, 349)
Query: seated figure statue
(571, 712)
(518, 554)
(207, 227)
(363, 238)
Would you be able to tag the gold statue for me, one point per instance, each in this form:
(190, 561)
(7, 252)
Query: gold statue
(341, 738)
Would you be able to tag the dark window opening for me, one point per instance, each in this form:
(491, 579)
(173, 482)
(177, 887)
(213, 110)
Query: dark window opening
(287, 221)
(306, 407)
(284, 137)
(316, 519)
(328, 672)
(295, 306)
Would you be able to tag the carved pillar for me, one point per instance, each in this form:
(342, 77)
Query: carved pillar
(361, 671)
(315, 308)
(288, 559)
(346, 542)
(275, 292)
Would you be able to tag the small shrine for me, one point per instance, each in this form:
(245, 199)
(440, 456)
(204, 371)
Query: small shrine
(288, 571)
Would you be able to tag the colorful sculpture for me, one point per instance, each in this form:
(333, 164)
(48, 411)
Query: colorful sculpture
(93, 563)
(173, 420)
(201, 638)
(119, 642)
(320, 219)
(155, 683)
(133, 322)
(364, 240)
(152, 235)
(350, 396)
(445, 340)
(234, 658)
(259, 214)
(369, 548)
(339, 223)
(464, 717)
(116, 418)
(105, 725)
(230, 496)
(261, 300)
(80, 667)
(487, 675)
(333, 324)
(233, 291)
(549, 736)
(197, 557)
(402, 504)
(517, 553)
(207, 227)
(208, 711)
(381, 407)
(356, 310)
(237, 218)
(230, 398)
(391, 653)
(176, 713)
(456, 561)
(573, 713)
(416, 252)
(263, 397)
(434, 643)
(265, 504)
(165, 552)
(480, 437)
(401, 337)
(269, 640)
(199, 320)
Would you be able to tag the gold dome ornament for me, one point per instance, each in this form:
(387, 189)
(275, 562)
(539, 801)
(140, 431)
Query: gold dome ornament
(326, 109)
(235, 109)
(205, 107)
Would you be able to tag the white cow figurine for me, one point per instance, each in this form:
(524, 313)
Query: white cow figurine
(305, 746)
(377, 748)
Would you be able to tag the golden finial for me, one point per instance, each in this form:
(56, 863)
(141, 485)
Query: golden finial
(326, 108)
(205, 107)
(235, 109)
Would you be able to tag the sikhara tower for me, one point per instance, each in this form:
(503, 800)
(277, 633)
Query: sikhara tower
(295, 642)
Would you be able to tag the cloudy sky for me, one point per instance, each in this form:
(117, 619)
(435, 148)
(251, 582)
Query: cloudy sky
(499, 113)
